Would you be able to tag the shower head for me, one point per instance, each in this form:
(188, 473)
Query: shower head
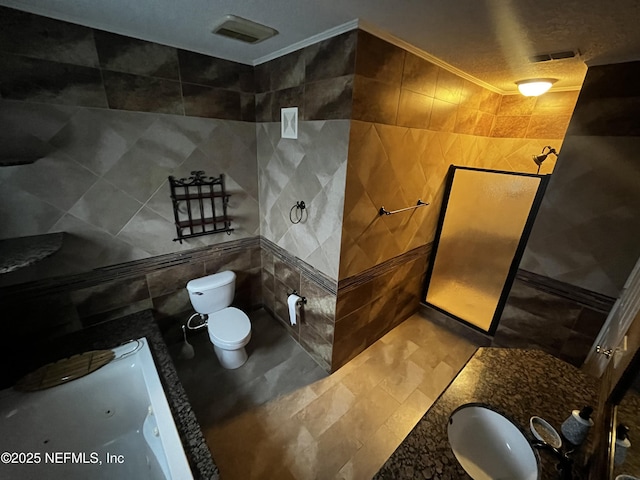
(538, 159)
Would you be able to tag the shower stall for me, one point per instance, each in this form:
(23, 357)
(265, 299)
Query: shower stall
(483, 227)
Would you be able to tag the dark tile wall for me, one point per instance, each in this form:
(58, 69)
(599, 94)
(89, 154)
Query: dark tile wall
(54, 307)
(541, 314)
(317, 79)
(334, 327)
(50, 61)
(546, 318)
(586, 233)
(375, 301)
(396, 87)
(609, 102)
(283, 273)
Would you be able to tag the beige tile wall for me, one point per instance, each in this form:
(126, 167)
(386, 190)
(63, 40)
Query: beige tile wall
(395, 166)
(411, 121)
(544, 117)
(368, 306)
(310, 169)
(395, 87)
(125, 157)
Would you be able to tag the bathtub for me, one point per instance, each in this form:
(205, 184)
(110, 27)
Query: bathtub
(112, 423)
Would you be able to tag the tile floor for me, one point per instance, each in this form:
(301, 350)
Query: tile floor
(280, 416)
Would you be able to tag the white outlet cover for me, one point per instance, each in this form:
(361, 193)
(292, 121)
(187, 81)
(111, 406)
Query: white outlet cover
(289, 119)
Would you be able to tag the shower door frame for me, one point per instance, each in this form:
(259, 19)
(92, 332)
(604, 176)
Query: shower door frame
(513, 269)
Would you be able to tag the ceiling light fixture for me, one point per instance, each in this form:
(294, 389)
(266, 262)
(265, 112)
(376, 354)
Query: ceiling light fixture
(534, 86)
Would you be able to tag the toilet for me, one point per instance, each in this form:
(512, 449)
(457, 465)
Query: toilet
(229, 328)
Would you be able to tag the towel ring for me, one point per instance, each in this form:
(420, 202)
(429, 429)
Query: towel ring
(299, 207)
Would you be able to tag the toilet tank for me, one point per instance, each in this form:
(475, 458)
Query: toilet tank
(213, 292)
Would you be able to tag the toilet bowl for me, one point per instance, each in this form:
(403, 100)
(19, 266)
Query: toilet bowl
(229, 331)
(229, 328)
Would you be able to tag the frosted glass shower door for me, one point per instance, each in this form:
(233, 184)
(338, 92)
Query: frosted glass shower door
(479, 242)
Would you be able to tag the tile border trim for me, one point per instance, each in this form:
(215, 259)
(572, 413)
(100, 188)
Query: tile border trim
(124, 270)
(321, 279)
(350, 283)
(596, 301)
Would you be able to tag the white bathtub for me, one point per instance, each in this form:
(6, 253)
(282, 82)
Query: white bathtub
(114, 423)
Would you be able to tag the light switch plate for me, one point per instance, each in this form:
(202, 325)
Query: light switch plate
(289, 119)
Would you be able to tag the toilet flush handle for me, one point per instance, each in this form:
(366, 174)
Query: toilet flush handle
(197, 293)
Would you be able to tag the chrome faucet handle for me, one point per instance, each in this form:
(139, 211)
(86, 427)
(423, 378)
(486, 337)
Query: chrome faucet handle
(565, 463)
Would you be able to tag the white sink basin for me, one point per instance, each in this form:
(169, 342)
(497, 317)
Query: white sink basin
(489, 446)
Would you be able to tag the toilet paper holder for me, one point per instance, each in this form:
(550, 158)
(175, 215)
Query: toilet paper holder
(302, 299)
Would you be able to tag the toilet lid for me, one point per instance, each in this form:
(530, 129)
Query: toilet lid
(229, 325)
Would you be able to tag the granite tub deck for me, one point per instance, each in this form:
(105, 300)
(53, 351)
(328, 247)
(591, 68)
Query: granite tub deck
(16, 253)
(516, 383)
(113, 333)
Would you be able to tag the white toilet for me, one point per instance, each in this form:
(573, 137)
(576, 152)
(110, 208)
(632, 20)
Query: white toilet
(229, 328)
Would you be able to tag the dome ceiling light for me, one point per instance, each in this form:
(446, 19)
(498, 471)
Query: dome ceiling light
(534, 86)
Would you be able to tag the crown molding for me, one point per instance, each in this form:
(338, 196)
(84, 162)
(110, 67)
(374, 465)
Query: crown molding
(367, 27)
(332, 32)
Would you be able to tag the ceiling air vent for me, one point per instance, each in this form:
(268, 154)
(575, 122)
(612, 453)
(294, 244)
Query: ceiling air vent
(244, 30)
(546, 57)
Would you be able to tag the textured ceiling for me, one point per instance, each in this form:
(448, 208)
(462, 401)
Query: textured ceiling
(487, 39)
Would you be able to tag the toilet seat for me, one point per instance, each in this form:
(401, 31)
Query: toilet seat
(229, 328)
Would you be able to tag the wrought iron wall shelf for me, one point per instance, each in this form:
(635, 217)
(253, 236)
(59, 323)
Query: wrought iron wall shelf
(199, 205)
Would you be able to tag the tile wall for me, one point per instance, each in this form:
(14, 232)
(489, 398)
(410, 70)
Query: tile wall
(125, 157)
(589, 222)
(311, 169)
(50, 308)
(50, 61)
(372, 303)
(281, 274)
(542, 318)
(583, 245)
(318, 79)
(305, 256)
(379, 126)
(411, 120)
(114, 118)
(108, 116)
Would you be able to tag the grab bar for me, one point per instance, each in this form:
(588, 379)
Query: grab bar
(383, 211)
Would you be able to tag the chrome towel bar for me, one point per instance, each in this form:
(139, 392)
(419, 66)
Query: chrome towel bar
(383, 211)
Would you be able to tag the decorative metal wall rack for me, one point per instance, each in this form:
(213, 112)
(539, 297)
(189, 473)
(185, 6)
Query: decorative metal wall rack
(199, 205)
